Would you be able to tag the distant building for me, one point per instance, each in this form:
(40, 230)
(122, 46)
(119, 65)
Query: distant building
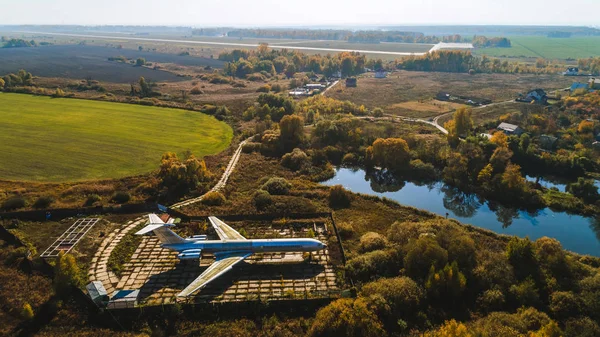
(571, 71)
(351, 82)
(594, 84)
(380, 73)
(313, 86)
(510, 129)
(536, 95)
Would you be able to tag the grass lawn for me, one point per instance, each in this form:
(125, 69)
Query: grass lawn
(548, 48)
(54, 140)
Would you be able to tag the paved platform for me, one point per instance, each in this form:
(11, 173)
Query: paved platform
(159, 275)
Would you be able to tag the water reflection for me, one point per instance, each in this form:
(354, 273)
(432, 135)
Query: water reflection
(460, 203)
(576, 233)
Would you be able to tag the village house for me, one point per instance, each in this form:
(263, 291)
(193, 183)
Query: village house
(537, 95)
(510, 129)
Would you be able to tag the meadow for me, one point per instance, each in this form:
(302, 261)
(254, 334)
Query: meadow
(547, 48)
(56, 139)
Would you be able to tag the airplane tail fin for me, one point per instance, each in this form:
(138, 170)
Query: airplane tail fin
(161, 230)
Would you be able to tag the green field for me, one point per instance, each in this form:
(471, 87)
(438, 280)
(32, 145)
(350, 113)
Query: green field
(54, 140)
(548, 48)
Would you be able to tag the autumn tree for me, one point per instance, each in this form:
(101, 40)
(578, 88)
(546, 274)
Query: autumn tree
(66, 274)
(585, 127)
(500, 139)
(463, 121)
(389, 153)
(347, 317)
(181, 176)
(292, 132)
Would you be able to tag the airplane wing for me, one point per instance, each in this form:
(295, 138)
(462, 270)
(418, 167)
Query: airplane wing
(223, 263)
(224, 231)
(155, 220)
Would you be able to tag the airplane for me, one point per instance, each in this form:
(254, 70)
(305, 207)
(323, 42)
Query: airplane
(231, 249)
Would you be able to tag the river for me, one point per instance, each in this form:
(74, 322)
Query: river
(576, 233)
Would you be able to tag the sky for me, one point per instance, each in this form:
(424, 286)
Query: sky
(263, 13)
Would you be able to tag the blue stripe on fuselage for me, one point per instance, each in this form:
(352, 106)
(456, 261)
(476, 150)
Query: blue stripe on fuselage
(255, 246)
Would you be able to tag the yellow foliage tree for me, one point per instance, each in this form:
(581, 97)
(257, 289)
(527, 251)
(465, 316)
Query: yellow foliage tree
(499, 138)
(27, 311)
(463, 121)
(390, 153)
(66, 273)
(485, 175)
(549, 330)
(585, 127)
(451, 328)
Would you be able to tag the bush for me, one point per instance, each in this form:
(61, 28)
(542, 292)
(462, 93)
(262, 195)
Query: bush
(92, 199)
(66, 274)
(345, 229)
(213, 198)
(295, 160)
(277, 186)
(27, 312)
(339, 197)
(276, 88)
(350, 159)
(196, 91)
(13, 203)
(251, 147)
(377, 112)
(372, 241)
(264, 88)
(121, 197)
(43, 202)
(261, 199)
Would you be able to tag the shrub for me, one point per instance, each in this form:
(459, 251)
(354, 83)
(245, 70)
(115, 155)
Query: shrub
(277, 186)
(43, 202)
(402, 294)
(196, 91)
(372, 241)
(276, 88)
(27, 312)
(213, 198)
(421, 255)
(345, 229)
(295, 160)
(377, 112)
(261, 199)
(121, 197)
(339, 197)
(347, 317)
(350, 159)
(92, 199)
(13, 203)
(66, 274)
(256, 77)
(264, 88)
(251, 147)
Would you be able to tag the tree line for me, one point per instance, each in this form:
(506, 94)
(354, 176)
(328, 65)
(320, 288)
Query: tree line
(361, 36)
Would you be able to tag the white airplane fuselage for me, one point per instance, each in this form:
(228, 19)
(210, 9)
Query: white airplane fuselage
(251, 246)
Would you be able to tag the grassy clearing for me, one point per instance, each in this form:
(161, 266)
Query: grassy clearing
(548, 48)
(393, 93)
(52, 140)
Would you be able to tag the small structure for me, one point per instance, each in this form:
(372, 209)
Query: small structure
(313, 86)
(537, 95)
(571, 71)
(593, 84)
(548, 142)
(123, 299)
(380, 73)
(97, 293)
(510, 129)
(351, 82)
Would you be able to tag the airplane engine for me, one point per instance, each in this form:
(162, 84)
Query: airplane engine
(192, 254)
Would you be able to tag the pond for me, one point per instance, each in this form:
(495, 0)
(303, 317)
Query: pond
(576, 233)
